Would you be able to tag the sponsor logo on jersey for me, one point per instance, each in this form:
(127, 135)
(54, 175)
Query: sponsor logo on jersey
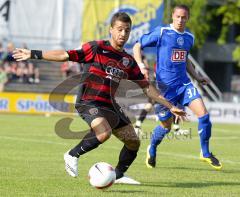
(180, 41)
(179, 55)
(114, 74)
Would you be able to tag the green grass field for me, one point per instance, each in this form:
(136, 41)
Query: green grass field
(31, 162)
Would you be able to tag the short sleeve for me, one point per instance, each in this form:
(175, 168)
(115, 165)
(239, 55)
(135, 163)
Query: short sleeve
(84, 55)
(150, 39)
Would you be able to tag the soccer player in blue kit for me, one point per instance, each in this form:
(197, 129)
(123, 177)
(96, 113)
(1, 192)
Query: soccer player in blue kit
(173, 44)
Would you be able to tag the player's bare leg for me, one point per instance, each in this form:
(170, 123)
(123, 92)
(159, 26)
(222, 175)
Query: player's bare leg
(99, 133)
(204, 131)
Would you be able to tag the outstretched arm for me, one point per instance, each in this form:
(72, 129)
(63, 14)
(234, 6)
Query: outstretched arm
(192, 72)
(152, 92)
(53, 55)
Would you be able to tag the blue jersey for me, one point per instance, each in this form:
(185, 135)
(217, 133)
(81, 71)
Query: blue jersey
(172, 50)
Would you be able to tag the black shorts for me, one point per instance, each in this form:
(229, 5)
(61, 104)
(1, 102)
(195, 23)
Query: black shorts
(89, 110)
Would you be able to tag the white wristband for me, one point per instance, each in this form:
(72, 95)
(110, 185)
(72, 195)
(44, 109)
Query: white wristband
(141, 65)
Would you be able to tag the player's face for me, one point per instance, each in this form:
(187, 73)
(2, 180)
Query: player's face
(120, 33)
(180, 18)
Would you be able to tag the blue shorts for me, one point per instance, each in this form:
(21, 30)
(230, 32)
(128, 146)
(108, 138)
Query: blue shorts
(179, 96)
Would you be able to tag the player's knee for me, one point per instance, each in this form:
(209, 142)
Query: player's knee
(169, 127)
(159, 132)
(205, 120)
(133, 144)
(103, 136)
(167, 124)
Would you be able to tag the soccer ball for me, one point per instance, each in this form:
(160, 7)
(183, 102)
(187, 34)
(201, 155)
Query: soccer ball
(101, 175)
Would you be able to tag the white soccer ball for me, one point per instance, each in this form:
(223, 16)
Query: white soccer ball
(101, 175)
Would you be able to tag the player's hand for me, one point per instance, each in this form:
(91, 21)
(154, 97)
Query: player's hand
(203, 80)
(179, 113)
(181, 119)
(21, 54)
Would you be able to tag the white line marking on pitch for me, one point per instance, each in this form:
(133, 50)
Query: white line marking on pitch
(195, 157)
(32, 140)
(219, 138)
(162, 153)
(223, 130)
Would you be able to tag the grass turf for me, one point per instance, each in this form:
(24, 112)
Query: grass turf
(31, 162)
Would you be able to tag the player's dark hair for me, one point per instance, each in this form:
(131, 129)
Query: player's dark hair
(121, 16)
(182, 6)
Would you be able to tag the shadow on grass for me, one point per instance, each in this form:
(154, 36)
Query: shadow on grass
(189, 169)
(127, 191)
(230, 171)
(190, 184)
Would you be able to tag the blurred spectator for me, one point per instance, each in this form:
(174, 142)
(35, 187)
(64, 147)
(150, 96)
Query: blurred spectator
(3, 78)
(10, 65)
(1, 51)
(10, 49)
(3, 54)
(33, 70)
(70, 68)
(16, 71)
(24, 72)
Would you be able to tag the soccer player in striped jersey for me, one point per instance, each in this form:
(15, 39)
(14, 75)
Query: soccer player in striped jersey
(173, 44)
(107, 64)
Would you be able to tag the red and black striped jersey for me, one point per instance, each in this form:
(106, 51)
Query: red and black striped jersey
(106, 67)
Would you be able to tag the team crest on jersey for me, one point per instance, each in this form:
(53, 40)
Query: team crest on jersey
(125, 61)
(93, 111)
(179, 55)
(180, 41)
(162, 113)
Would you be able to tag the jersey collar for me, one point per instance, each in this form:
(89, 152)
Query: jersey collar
(172, 27)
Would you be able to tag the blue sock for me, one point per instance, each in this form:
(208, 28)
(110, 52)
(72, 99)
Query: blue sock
(157, 136)
(204, 131)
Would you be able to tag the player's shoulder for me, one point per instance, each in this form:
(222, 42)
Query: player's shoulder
(160, 28)
(103, 43)
(163, 26)
(165, 29)
(90, 44)
(157, 31)
(189, 33)
(126, 54)
(97, 45)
